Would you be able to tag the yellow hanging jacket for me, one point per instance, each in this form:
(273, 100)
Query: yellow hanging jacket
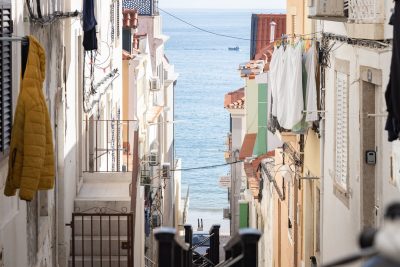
(31, 159)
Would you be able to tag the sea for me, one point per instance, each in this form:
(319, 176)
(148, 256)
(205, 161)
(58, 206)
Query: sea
(207, 71)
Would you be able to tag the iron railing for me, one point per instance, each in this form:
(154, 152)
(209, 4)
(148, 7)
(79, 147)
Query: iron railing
(144, 7)
(366, 11)
(108, 145)
(241, 250)
(102, 237)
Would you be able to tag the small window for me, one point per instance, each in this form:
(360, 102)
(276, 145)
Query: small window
(5, 80)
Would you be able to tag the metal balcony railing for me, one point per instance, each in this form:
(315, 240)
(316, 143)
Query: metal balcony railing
(241, 250)
(366, 11)
(108, 145)
(144, 7)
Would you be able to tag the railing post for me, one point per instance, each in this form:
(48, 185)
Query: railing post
(188, 240)
(214, 244)
(165, 238)
(249, 239)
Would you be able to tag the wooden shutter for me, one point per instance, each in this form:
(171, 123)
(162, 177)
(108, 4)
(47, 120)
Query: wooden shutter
(112, 20)
(6, 29)
(118, 18)
(341, 168)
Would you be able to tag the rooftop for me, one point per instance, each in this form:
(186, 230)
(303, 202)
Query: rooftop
(235, 99)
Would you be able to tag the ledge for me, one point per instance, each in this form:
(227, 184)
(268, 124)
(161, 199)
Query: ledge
(370, 31)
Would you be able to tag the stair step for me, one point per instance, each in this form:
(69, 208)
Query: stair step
(90, 245)
(104, 262)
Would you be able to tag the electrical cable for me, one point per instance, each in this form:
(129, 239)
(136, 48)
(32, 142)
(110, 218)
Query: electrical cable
(48, 19)
(230, 36)
(207, 167)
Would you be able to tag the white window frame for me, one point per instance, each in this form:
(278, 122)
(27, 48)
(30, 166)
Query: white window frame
(341, 159)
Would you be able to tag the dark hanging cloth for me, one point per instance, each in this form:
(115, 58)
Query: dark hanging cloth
(392, 94)
(89, 26)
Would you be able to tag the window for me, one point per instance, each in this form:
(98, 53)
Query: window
(341, 130)
(5, 80)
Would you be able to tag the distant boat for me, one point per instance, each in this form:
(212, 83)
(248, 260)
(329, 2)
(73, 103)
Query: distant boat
(236, 48)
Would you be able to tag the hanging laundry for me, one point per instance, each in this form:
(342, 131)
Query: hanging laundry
(392, 94)
(290, 102)
(275, 75)
(311, 92)
(302, 126)
(89, 26)
(31, 160)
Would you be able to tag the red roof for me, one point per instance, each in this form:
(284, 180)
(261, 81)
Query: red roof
(264, 47)
(247, 146)
(252, 174)
(234, 99)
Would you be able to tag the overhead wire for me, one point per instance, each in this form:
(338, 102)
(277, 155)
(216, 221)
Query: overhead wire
(207, 167)
(231, 36)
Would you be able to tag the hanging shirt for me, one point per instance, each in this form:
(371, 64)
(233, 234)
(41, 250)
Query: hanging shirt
(290, 96)
(311, 92)
(275, 70)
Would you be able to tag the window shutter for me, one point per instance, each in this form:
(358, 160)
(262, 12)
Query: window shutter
(118, 19)
(341, 168)
(112, 20)
(6, 29)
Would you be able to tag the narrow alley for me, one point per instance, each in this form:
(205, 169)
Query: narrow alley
(154, 133)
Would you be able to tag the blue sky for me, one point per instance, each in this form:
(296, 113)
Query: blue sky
(225, 4)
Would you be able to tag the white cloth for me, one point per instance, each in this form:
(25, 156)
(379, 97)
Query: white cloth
(311, 92)
(290, 96)
(275, 69)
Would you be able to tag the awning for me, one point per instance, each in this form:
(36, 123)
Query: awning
(247, 146)
(153, 113)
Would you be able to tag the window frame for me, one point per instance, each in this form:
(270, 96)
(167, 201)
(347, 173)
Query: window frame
(340, 191)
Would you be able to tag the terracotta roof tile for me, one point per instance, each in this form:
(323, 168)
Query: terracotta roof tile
(262, 43)
(247, 146)
(235, 99)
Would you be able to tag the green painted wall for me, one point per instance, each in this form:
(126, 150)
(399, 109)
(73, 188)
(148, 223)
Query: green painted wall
(260, 147)
(243, 214)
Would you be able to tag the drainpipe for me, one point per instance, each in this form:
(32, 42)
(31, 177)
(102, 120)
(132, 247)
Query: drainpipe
(295, 222)
(135, 172)
(321, 205)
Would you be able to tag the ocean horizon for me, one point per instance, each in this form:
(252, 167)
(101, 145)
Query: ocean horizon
(207, 71)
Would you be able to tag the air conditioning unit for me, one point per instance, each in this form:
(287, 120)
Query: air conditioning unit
(155, 84)
(327, 8)
(153, 158)
(166, 171)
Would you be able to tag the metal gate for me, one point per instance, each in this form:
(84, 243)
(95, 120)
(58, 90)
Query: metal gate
(102, 238)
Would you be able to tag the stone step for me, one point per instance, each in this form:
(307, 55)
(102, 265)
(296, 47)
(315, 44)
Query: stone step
(107, 177)
(97, 246)
(99, 190)
(91, 226)
(105, 262)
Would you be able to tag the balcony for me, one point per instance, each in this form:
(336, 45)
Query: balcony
(108, 145)
(365, 11)
(364, 18)
(144, 7)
